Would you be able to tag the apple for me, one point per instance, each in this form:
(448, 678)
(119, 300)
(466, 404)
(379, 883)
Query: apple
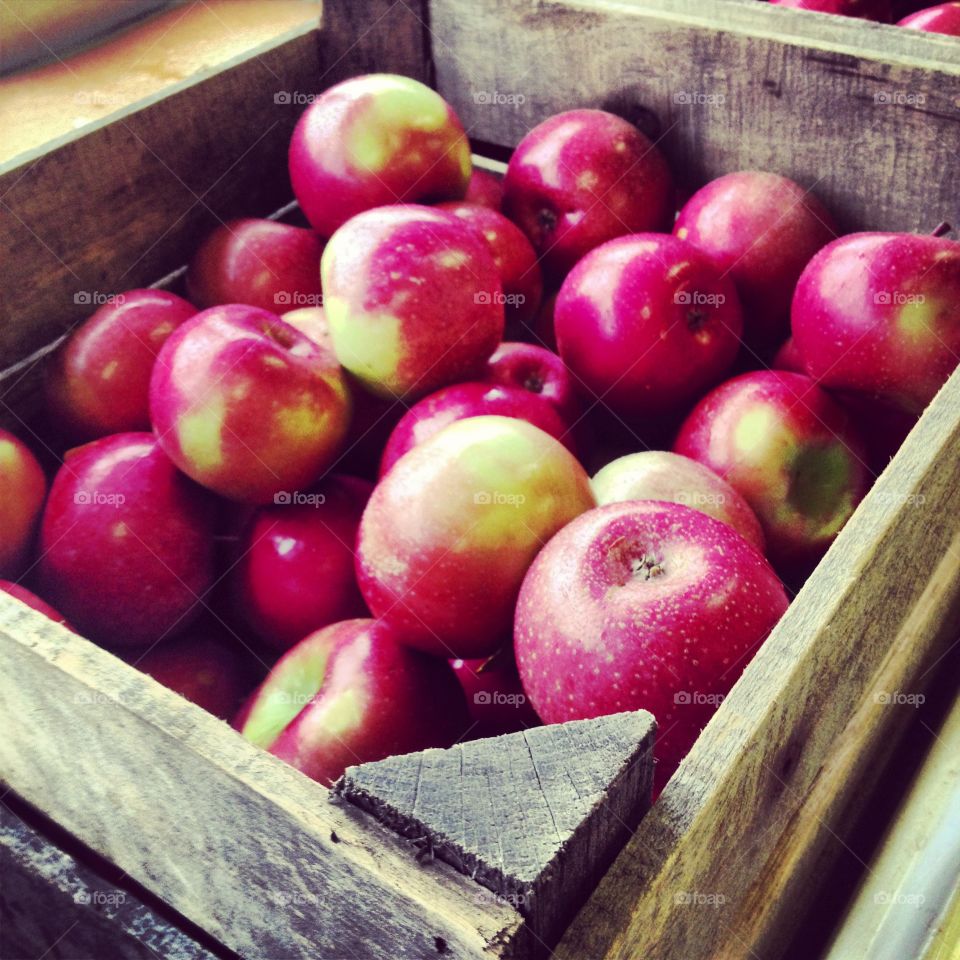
(761, 230)
(879, 314)
(34, 602)
(538, 370)
(413, 299)
(295, 572)
(97, 382)
(206, 666)
(312, 323)
(23, 487)
(943, 18)
(790, 451)
(484, 188)
(450, 531)
(247, 405)
(646, 323)
(350, 693)
(126, 542)
(376, 140)
(865, 9)
(581, 178)
(262, 263)
(661, 475)
(429, 416)
(513, 256)
(495, 698)
(643, 605)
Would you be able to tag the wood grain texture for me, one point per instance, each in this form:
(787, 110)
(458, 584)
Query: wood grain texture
(867, 117)
(725, 861)
(535, 817)
(56, 907)
(237, 842)
(376, 36)
(123, 201)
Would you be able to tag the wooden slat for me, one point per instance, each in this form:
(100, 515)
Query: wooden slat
(56, 907)
(815, 98)
(240, 844)
(741, 836)
(122, 201)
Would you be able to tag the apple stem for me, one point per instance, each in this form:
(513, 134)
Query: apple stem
(941, 230)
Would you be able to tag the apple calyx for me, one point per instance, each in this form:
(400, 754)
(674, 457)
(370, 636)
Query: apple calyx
(646, 566)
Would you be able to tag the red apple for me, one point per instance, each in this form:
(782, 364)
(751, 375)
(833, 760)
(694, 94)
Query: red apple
(865, 9)
(23, 487)
(943, 18)
(513, 256)
(349, 694)
(262, 263)
(98, 382)
(495, 698)
(126, 542)
(643, 605)
(247, 405)
(647, 323)
(761, 230)
(296, 568)
(879, 314)
(581, 178)
(790, 451)
(538, 370)
(485, 188)
(34, 602)
(450, 531)
(376, 140)
(429, 416)
(413, 299)
(660, 475)
(206, 666)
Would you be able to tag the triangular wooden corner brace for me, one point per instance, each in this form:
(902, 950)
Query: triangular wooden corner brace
(535, 817)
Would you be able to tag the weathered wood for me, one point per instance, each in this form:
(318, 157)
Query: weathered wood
(54, 906)
(119, 203)
(535, 817)
(377, 36)
(771, 777)
(863, 114)
(240, 844)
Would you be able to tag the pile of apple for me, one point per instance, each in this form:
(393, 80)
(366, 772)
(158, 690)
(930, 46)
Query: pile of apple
(391, 506)
(914, 14)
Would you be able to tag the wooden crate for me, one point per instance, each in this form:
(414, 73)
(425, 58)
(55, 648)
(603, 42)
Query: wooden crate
(249, 850)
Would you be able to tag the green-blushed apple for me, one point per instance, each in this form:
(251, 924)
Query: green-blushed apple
(495, 698)
(761, 229)
(376, 140)
(262, 263)
(413, 299)
(513, 256)
(647, 323)
(23, 487)
(452, 528)
(581, 178)
(539, 370)
(790, 450)
(351, 693)
(28, 597)
(662, 475)
(643, 605)
(943, 18)
(427, 417)
(879, 314)
(126, 542)
(98, 381)
(295, 572)
(247, 405)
